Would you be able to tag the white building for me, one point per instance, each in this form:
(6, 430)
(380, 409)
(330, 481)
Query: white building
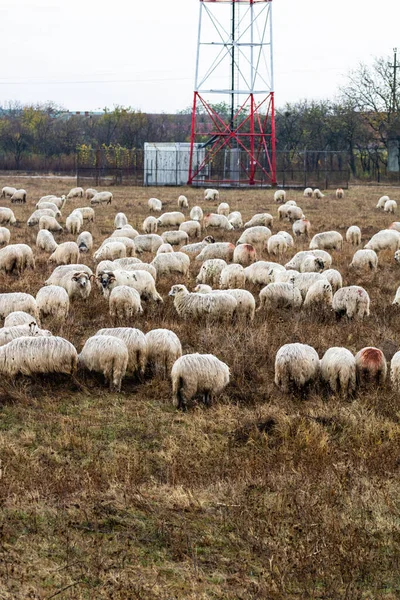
(167, 163)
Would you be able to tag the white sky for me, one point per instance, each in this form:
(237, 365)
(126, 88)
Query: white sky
(88, 54)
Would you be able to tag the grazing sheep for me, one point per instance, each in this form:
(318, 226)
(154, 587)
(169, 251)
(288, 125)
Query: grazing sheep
(371, 366)
(19, 197)
(108, 355)
(149, 242)
(288, 238)
(279, 295)
(85, 241)
(141, 281)
(19, 317)
(120, 220)
(256, 236)
(222, 250)
(171, 219)
(135, 341)
(57, 201)
(16, 257)
(102, 198)
(298, 258)
(131, 263)
(87, 213)
(294, 213)
(8, 192)
(76, 192)
(46, 222)
(211, 194)
(183, 202)
(244, 254)
(353, 235)
(217, 221)
(395, 371)
(7, 334)
(339, 194)
(110, 251)
(53, 301)
(164, 248)
(308, 193)
(5, 236)
(73, 224)
(246, 305)
(150, 225)
(18, 301)
(280, 196)
(7, 216)
(126, 232)
(154, 204)
(301, 227)
(193, 305)
(191, 228)
(390, 206)
(196, 214)
(318, 194)
(296, 365)
(195, 374)
(283, 211)
(175, 238)
(198, 246)
(130, 247)
(263, 219)
(327, 240)
(312, 264)
(232, 276)
(124, 303)
(334, 278)
(65, 254)
(277, 245)
(365, 259)
(38, 354)
(381, 202)
(163, 349)
(235, 219)
(338, 369)
(45, 241)
(303, 281)
(352, 301)
(75, 282)
(90, 192)
(172, 263)
(51, 206)
(387, 239)
(319, 294)
(259, 272)
(210, 271)
(278, 276)
(223, 209)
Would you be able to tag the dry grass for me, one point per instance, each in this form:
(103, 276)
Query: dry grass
(261, 496)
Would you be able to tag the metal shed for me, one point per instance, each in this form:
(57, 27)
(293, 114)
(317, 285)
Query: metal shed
(168, 163)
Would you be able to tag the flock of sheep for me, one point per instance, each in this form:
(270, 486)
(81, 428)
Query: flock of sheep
(188, 236)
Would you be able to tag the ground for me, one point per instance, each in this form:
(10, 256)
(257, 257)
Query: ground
(263, 495)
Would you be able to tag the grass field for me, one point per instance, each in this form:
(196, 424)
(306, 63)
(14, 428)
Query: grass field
(261, 496)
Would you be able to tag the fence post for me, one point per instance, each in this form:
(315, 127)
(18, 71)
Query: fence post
(305, 168)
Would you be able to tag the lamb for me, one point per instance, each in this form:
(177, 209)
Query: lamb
(163, 349)
(312, 264)
(87, 213)
(246, 305)
(183, 202)
(301, 227)
(211, 194)
(381, 202)
(90, 192)
(172, 263)
(16, 257)
(38, 354)
(164, 248)
(232, 276)
(318, 194)
(288, 238)
(280, 196)
(298, 258)
(256, 236)
(46, 222)
(175, 238)
(258, 272)
(217, 222)
(19, 317)
(193, 305)
(75, 282)
(148, 243)
(353, 301)
(389, 207)
(110, 251)
(8, 192)
(19, 197)
(196, 214)
(191, 228)
(353, 235)
(102, 198)
(108, 355)
(76, 192)
(387, 239)
(171, 219)
(150, 225)
(124, 303)
(277, 245)
(141, 281)
(7, 334)
(85, 241)
(154, 204)
(135, 341)
(235, 219)
(222, 250)
(365, 259)
(263, 219)
(195, 374)
(210, 271)
(334, 278)
(5, 236)
(296, 365)
(198, 247)
(327, 240)
(53, 301)
(338, 369)
(319, 294)
(7, 216)
(51, 206)
(223, 209)
(395, 371)
(73, 224)
(371, 366)
(339, 194)
(294, 213)
(308, 193)
(244, 254)
(18, 301)
(279, 295)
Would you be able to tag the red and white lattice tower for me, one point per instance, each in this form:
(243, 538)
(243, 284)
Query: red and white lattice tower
(233, 122)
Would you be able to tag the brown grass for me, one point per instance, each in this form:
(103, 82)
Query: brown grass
(261, 496)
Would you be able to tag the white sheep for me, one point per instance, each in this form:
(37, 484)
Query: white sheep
(120, 220)
(45, 241)
(195, 374)
(5, 236)
(334, 278)
(277, 245)
(211, 194)
(76, 192)
(130, 246)
(65, 254)
(126, 232)
(278, 276)
(171, 219)
(60, 271)
(365, 259)
(19, 317)
(85, 241)
(327, 240)
(124, 303)
(338, 369)
(264, 219)
(75, 282)
(318, 194)
(210, 271)
(164, 248)
(390, 206)
(53, 301)
(163, 349)
(296, 365)
(150, 225)
(135, 341)
(8, 192)
(303, 281)
(395, 371)
(299, 257)
(279, 295)
(395, 225)
(194, 305)
(171, 263)
(259, 272)
(131, 263)
(301, 227)
(175, 238)
(196, 214)
(154, 204)
(16, 257)
(18, 301)
(108, 355)
(319, 294)
(19, 197)
(256, 236)
(102, 198)
(352, 301)
(397, 297)
(198, 246)
(149, 242)
(312, 264)
(308, 193)
(183, 202)
(51, 206)
(280, 196)
(244, 254)
(246, 305)
(38, 354)
(387, 239)
(235, 219)
(294, 213)
(192, 228)
(73, 224)
(141, 281)
(57, 201)
(222, 250)
(87, 213)
(288, 238)
(353, 235)
(90, 192)
(217, 222)
(7, 216)
(381, 202)
(110, 251)
(7, 334)
(339, 194)
(223, 209)
(46, 222)
(232, 276)
(371, 366)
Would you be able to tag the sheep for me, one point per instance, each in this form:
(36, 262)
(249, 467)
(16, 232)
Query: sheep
(303, 281)
(222, 250)
(211, 194)
(319, 294)
(217, 221)
(7, 334)
(125, 233)
(77, 213)
(371, 366)
(327, 240)
(338, 369)
(60, 271)
(16, 257)
(258, 272)
(90, 192)
(183, 202)
(223, 209)
(19, 197)
(108, 355)
(46, 222)
(102, 198)
(339, 194)
(120, 220)
(51, 206)
(196, 214)
(73, 224)
(210, 271)
(8, 192)
(390, 206)
(279, 295)
(298, 258)
(294, 213)
(277, 245)
(198, 247)
(130, 247)
(45, 241)
(65, 254)
(256, 236)
(110, 251)
(278, 276)
(87, 213)
(135, 341)
(195, 374)
(76, 192)
(395, 371)
(38, 354)
(5, 236)
(57, 201)
(264, 219)
(150, 225)
(124, 303)
(148, 243)
(154, 204)
(365, 259)
(397, 297)
(191, 228)
(235, 219)
(387, 239)
(308, 193)
(19, 317)
(133, 264)
(175, 238)
(381, 202)
(172, 263)
(75, 282)
(141, 281)
(318, 194)
(18, 301)
(232, 276)
(312, 264)
(7, 216)
(353, 235)
(171, 219)
(301, 227)
(246, 305)
(164, 248)
(53, 301)
(353, 301)
(85, 241)
(163, 349)
(288, 238)
(192, 305)
(244, 254)
(280, 196)
(395, 225)
(283, 211)
(296, 365)
(334, 278)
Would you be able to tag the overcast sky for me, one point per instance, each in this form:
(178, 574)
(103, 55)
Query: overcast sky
(88, 54)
